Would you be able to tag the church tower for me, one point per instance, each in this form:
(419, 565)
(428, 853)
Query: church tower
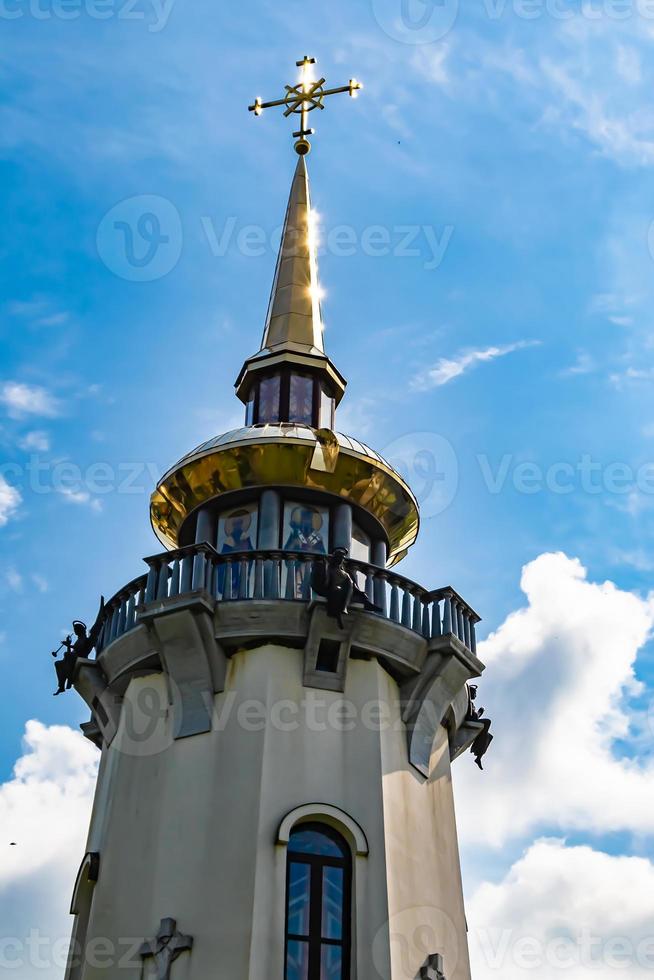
(277, 708)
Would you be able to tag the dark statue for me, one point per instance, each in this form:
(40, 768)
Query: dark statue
(481, 744)
(81, 647)
(331, 579)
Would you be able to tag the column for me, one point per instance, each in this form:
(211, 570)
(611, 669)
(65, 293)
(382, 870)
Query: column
(205, 530)
(270, 507)
(342, 535)
(379, 555)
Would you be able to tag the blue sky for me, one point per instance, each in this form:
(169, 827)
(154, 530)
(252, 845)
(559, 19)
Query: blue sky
(507, 147)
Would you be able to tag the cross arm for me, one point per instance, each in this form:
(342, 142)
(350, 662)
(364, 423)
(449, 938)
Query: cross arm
(259, 105)
(352, 87)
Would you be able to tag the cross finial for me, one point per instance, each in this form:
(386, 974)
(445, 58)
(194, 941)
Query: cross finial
(303, 98)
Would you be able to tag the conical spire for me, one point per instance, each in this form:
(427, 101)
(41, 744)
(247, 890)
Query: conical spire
(293, 332)
(294, 320)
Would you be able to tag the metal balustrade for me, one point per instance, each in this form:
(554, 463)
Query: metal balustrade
(284, 575)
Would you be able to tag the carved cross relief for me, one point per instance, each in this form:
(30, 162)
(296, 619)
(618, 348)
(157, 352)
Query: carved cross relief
(165, 948)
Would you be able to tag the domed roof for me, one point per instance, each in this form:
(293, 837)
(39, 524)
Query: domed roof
(286, 454)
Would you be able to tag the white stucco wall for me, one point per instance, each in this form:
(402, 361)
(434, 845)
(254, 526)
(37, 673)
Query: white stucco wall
(188, 828)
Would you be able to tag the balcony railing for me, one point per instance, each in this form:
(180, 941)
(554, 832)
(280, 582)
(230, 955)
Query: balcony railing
(284, 575)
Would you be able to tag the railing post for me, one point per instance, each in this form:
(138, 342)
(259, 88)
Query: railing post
(426, 620)
(122, 615)
(406, 608)
(305, 591)
(473, 638)
(447, 615)
(455, 616)
(379, 593)
(394, 612)
(258, 578)
(228, 591)
(461, 631)
(292, 569)
(370, 586)
(113, 629)
(275, 569)
(466, 628)
(186, 577)
(197, 581)
(417, 613)
(243, 579)
(174, 578)
(436, 619)
(131, 612)
(151, 584)
(162, 580)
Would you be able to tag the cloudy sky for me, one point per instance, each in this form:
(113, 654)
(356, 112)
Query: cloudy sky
(486, 213)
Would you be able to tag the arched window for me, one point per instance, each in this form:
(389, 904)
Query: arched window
(318, 904)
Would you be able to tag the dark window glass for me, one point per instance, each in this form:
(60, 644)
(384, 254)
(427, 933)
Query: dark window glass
(328, 654)
(299, 879)
(297, 960)
(332, 903)
(300, 407)
(326, 416)
(318, 903)
(269, 399)
(312, 840)
(249, 409)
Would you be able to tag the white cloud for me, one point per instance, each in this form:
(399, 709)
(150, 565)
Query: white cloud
(631, 374)
(430, 61)
(582, 75)
(40, 582)
(558, 673)
(446, 369)
(23, 399)
(565, 911)
(27, 308)
(622, 321)
(44, 810)
(624, 132)
(585, 364)
(14, 580)
(82, 498)
(628, 64)
(37, 441)
(10, 501)
(639, 558)
(54, 319)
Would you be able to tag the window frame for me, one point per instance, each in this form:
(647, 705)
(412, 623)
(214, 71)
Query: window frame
(316, 864)
(284, 375)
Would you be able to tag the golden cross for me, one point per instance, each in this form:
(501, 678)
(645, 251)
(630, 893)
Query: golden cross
(303, 98)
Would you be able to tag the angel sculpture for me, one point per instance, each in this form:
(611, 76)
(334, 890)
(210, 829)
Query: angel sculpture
(482, 742)
(331, 579)
(84, 643)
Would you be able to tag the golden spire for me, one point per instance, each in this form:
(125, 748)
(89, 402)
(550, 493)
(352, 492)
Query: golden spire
(293, 333)
(294, 319)
(294, 328)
